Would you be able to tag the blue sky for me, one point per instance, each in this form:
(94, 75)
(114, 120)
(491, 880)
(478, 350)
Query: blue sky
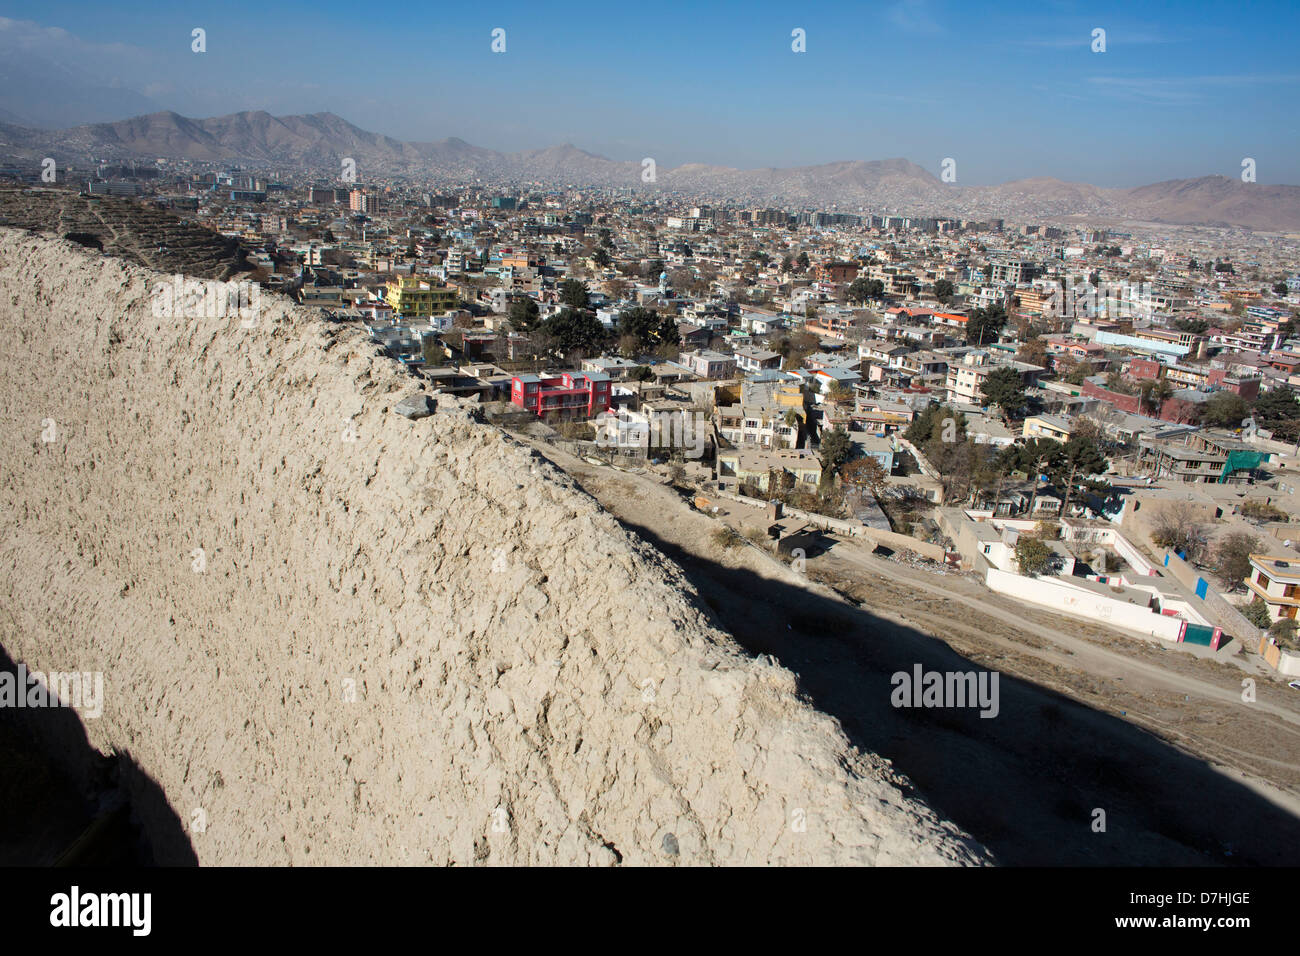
(1008, 90)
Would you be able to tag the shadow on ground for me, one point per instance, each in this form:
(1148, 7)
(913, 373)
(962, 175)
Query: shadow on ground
(62, 802)
(1027, 782)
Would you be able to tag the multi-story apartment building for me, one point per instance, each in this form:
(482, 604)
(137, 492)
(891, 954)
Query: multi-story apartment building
(1197, 458)
(752, 359)
(759, 426)
(966, 379)
(770, 414)
(924, 364)
(1251, 337)
(566, 395)
(709, 364)
(411, 296)
(833, 325)
(1010, 271)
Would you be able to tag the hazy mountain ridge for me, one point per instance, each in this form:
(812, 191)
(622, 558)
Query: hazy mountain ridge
(323, 140)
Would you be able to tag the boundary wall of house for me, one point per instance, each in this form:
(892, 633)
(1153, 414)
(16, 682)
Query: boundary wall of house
(1061, 596)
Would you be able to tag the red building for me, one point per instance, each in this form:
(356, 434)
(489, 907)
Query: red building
(1247, 388)
(567, 395)
(1145, 369)
(837, 271)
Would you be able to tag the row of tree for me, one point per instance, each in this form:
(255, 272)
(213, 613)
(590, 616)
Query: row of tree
(966, 466)
(575, 327)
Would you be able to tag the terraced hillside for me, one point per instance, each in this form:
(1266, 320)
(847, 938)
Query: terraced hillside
(139, 232)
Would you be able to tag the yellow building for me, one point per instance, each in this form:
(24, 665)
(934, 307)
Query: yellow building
(1046, 426)
(413, 297)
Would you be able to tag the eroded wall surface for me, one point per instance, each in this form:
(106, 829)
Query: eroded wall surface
(402, 641)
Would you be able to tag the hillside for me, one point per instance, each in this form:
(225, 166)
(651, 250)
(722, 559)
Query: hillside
(421, 645)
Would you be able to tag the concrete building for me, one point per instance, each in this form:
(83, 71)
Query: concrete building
(1277, 581)
(412, 297)
(709, 364)
(739, 467)
(965, 381)
(566, 395)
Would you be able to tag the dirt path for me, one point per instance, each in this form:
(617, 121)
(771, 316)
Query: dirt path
(1166, 675)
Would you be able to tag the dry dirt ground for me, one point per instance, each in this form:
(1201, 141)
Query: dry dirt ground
(1157, 738)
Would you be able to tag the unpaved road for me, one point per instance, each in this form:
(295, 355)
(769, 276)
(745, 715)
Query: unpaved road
(1091, 719)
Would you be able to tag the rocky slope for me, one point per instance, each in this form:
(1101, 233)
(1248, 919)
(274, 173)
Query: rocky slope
(331, 634)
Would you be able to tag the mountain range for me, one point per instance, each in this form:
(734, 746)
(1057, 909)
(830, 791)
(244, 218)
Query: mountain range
(320, 141)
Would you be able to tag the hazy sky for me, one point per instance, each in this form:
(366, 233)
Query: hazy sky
(1009, 90)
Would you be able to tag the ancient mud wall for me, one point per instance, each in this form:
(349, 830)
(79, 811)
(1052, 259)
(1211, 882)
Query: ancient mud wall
(331, 634)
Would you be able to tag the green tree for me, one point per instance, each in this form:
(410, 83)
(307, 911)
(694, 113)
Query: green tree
(668, 333)
(1033, 556)
(432, 351)
(1225, 409)
(573, 294)
(571, 330)
(835, 449)
(859, 290)
(943, 290)
(803, 262)
(931, 424)
(1154, 393)
(1034, 458)
(984, 325)
(1077, 460)
(1257, 613)
(1003, 388)
(1283, 630)
(1278, 410)
(523, 314)
(1074, 372)
(641, 323)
